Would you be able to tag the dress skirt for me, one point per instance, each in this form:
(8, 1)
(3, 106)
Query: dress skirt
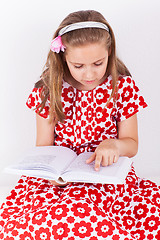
(38, 210)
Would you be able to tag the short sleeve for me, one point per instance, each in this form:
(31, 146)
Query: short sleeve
(34, 100)
(129, 100)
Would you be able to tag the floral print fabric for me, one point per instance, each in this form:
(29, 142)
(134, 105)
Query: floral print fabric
(35, 209)
(89, 120)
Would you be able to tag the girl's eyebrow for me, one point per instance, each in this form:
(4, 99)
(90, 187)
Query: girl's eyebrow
(82, 63)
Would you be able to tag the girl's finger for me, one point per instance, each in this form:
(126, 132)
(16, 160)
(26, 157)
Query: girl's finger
(110, 160)
(91, 159)
(98, 161)
(105, 161)
(115, 158)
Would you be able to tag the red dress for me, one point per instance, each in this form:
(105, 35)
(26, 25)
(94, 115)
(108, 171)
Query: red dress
(35, 209)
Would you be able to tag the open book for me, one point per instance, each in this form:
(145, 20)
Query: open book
(63, 165)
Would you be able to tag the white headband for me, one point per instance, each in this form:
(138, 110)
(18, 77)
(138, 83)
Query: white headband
(57, 45)
(79, 25)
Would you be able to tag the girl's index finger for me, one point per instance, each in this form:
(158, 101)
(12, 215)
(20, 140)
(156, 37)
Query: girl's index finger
(98, 161)
(91, 159)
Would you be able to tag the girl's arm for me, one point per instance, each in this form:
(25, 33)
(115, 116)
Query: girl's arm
(45, 132)
(110, 150)
(127, 141)
(45, 136)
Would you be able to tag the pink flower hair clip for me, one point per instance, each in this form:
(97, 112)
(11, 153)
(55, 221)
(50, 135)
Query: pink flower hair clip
(57, 45)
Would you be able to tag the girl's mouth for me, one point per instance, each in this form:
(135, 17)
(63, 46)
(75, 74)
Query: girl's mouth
(90, 82)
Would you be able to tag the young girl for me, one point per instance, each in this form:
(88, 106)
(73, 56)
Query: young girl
(86, 100)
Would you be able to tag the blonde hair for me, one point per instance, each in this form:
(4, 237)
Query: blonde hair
(56, 67)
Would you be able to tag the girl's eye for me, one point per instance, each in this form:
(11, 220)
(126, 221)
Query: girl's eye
(98, 64)
(78, 66)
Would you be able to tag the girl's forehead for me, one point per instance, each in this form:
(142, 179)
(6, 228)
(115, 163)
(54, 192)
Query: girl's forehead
(86, 53)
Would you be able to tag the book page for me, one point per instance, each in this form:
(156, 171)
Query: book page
(80, 171)
(44, 159)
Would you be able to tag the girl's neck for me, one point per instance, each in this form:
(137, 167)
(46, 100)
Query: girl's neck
(72, 82)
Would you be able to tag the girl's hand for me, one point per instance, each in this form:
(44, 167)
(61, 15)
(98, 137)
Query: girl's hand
(106, 153)
(57, 184)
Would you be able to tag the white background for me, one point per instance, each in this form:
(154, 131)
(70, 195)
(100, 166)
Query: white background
(26, 31)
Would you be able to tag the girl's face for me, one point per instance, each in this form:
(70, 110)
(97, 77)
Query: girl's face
(87, 65)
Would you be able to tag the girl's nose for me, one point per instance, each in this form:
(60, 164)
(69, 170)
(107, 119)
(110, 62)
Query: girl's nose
(89, 74)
